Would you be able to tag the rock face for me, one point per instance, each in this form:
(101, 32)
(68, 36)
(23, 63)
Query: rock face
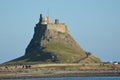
(51, 43)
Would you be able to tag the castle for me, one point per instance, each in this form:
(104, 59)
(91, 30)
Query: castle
(52, 43)
(60, 27)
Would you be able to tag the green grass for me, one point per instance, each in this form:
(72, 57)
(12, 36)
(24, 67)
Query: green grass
(91, 59)
(64, 52)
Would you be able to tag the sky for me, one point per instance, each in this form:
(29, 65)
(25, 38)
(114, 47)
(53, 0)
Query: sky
(94, 24)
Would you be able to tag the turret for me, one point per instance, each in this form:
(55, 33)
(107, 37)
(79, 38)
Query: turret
(56, 21)
(40, 20)
(44, 20)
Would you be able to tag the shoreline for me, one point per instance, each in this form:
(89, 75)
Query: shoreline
(58, 70)
(45, 74)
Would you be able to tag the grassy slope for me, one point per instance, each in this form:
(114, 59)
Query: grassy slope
(91, 59)
(64, 52)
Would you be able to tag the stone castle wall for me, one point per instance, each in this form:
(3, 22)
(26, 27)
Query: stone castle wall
(57, 27)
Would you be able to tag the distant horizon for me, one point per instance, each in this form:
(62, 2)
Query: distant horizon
(93, 24)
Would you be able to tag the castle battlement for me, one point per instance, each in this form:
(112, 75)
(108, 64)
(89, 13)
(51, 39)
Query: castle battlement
(60, 27)
(57, 27)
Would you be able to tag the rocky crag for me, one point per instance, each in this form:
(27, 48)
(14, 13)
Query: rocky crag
(52, 43)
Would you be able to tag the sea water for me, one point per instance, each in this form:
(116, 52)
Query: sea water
(74, 78)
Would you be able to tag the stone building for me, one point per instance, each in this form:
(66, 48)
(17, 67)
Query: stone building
(60, 27)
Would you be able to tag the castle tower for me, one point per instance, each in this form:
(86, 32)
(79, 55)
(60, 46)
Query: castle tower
(40, 20)
(56, 21)
(44, 20)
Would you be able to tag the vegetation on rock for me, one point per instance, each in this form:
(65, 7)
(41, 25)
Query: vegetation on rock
(50, 45)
